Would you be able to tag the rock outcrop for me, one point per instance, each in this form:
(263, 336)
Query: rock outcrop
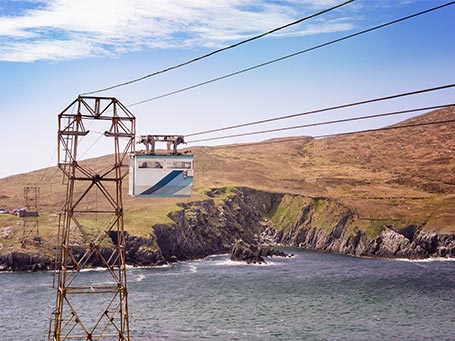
(249, 253)
(22, 261)
(142, 251)
(254, 253)
(415, 245)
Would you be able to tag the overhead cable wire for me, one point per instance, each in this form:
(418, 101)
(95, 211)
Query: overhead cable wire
(221, 49)
(411, 125)
(347, 105)
(290, 55)
(394, 113)
(299, 138)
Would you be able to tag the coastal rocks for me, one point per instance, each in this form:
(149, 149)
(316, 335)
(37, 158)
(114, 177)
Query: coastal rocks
(243, 252)
(254, 253)
(213, 226)
(18, 261)
(388, 244)
(142, 251)
(139, 252)
(446, 246)
(412, 242)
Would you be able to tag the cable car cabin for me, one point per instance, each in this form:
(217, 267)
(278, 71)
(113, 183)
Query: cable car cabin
(161, 176)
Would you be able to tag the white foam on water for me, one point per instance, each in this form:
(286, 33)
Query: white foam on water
(217, 256)
(133, 267)
(193, 268)
(100, 269)
(426, 260)
(228, 262)
(139, 278)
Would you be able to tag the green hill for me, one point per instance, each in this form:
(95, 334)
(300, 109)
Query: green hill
(400, 177)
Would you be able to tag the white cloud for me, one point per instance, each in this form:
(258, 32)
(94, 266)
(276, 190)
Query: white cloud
(52, 50)
(67, 29)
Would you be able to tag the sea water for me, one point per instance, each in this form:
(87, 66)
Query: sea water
(312, 296)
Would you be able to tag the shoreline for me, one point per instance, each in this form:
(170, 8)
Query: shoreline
(130, 266)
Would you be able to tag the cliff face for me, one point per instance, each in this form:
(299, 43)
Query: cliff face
(326, 225)
(213, 226)
(198, 230)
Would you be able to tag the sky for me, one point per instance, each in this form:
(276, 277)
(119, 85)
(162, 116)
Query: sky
(53, 50)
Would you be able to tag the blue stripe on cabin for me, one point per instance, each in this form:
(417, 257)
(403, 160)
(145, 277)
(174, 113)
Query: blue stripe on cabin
(171, 187)
(174, 191)
(163, 182)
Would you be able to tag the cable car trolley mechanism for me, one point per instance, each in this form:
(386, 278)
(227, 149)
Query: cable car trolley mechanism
(161, 175)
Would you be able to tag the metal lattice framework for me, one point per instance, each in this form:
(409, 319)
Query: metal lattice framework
(30, 215)
(92, 234)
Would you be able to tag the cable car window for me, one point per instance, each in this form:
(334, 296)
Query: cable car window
(161, 176)
(179, 165)
(150, 164)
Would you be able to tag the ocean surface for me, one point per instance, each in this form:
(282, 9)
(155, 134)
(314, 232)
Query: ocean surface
(312, 296)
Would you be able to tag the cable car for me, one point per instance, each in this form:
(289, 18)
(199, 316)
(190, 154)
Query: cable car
(161, 175)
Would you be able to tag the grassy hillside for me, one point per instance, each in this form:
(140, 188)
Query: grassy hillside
(401, 175)
(398, 177)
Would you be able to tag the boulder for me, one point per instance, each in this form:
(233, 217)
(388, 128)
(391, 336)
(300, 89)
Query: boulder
(254, 253)
(249, 253)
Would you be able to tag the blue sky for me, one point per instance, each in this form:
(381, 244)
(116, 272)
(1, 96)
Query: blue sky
(53, 50)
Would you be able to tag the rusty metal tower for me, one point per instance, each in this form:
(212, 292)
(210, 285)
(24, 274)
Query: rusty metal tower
(87, 308)
(30, 216)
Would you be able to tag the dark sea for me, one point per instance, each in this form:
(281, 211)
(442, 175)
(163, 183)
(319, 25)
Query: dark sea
(312, 296)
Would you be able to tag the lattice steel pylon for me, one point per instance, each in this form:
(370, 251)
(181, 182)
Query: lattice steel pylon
(87, 310)
(30, 215)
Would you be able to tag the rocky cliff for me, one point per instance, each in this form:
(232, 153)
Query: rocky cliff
(199, 229)
(213, 226)
(327, 225)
